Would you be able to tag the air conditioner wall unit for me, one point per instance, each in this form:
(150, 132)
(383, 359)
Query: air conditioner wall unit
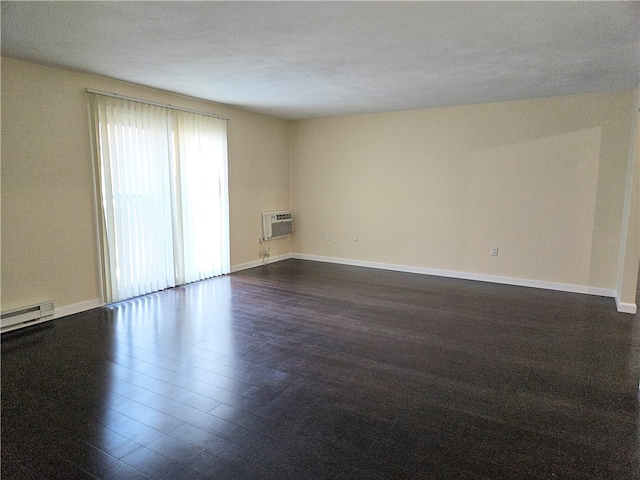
(276, 224)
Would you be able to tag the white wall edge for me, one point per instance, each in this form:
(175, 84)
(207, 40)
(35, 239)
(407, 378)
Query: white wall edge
(520, 282)
(76, 308)
(257, 263)
(624, 307)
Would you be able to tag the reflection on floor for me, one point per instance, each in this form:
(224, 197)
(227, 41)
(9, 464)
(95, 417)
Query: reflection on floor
(303, 370)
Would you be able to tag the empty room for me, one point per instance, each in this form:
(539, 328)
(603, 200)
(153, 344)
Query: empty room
(320, 240)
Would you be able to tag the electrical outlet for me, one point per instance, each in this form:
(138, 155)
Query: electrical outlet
(327, 236)
(494, 251)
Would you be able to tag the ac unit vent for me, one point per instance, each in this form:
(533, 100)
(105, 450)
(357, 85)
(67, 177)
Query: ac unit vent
(276, 225)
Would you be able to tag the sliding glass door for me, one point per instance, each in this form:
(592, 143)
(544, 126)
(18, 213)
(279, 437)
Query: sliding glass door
(162, 182)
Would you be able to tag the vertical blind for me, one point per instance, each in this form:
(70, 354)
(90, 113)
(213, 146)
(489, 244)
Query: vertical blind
(163, 194)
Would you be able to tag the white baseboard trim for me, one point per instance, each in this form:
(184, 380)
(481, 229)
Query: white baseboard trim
(257, 263)
(521, 282)
(76, 308)
(624, 307)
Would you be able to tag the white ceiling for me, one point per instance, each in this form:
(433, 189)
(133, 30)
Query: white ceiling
(312, 59)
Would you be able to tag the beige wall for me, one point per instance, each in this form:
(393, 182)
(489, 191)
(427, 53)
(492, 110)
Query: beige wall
(630, 242)
(48, 225)
(541, 179)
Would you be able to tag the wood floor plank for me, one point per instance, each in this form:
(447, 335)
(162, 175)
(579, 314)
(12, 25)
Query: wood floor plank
(304, 370)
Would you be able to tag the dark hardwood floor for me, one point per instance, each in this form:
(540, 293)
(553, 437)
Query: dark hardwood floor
(303, 370)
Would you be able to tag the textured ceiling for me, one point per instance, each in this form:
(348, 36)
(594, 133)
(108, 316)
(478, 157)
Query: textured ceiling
(312, 59)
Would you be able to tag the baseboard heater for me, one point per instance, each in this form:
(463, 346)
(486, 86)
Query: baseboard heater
(26, 316)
